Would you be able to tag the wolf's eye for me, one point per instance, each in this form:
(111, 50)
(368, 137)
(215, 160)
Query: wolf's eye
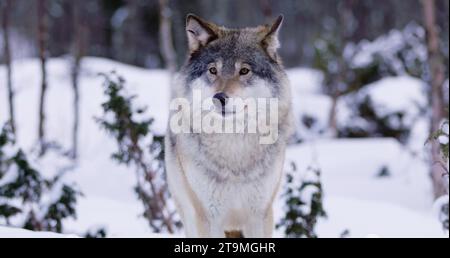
(213, 70)
(244, 71)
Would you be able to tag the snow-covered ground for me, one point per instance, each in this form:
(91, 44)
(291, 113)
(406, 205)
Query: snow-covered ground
(8, 232)
(355, 198)
(358, 200)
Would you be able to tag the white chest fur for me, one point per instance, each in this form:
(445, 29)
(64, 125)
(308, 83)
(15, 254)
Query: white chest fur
(234, 178)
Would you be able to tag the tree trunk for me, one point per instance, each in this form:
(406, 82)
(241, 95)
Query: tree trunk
(6, 9)
(42, 44)
(78, 49)
(437, 70)
(332, 118)
(266, 8)
(127, 37)
(165, 36)
(345, 17)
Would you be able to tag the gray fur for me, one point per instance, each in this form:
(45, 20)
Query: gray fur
(235, 45)
(219, 166)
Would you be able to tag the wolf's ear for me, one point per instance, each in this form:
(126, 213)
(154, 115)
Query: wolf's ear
(199, 32)
(270, 41)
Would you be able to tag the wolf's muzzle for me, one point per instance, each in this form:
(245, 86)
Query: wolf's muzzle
(220, 100)
(221, 97)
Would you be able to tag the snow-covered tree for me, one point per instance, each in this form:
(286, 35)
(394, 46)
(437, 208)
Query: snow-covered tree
(302, 198)
(27, 198)
(5, 9)
(340, 78)
(42, 40)
(140, 148)
(79, 46)
(441, 138)
(397, 53)
(165, 36)
(435, 80)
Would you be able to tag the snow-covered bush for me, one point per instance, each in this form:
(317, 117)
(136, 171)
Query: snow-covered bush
(351, 67)
(333, 58)
(441, 205)
(29, 199)
(340, 75)
(96, 233)
(399, 52)
(389, 107)
(302, 199)
(140, 148)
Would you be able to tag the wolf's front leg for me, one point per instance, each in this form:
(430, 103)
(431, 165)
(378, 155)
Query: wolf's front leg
(269, 224)
(259, 226)
(216, 230)
(254, 228)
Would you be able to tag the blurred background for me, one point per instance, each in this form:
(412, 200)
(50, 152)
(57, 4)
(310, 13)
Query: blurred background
(128, 31)
(370, 96)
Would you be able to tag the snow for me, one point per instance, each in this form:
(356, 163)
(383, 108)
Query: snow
(10, 176)
(118, 218)
(397, 94)
(10, 150)
(402, 94)
(305, 80)
(311, 177)
(105, 185)
(355, 198)
(443, 139)
(393, 95)
(441, 201)
(315, 106)
(350, 168)
(445, 128)
(388, 46)
(309, 102)
(307, 196)
(8, 232)
(375, 219)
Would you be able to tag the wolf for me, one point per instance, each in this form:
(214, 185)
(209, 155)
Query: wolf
(224, 184)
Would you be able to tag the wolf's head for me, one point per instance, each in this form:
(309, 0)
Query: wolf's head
(233, 63)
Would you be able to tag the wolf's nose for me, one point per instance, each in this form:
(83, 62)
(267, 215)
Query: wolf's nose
(221, 97)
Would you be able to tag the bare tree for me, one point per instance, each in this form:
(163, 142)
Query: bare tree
(266, 8)
(126, 37)
(437, 70)
(42, 38)
(78, 50)
(345, 17)
(165, 36)
(6, 9)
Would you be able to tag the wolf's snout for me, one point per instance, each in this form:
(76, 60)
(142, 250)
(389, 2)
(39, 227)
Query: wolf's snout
(220, 99)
